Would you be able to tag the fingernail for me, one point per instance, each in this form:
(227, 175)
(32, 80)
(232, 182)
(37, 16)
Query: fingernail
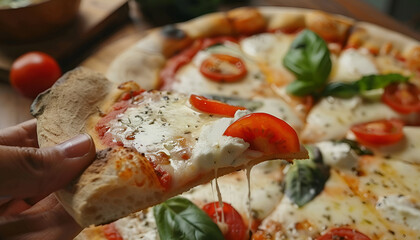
(77, 146)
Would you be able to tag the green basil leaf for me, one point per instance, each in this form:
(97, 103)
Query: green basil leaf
(178, 218)
(364, 85)
(309, 59)
(371, 82)
(305, 180)
(341, 90)
(301, 88)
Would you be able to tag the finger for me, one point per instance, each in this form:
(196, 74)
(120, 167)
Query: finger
(14, 207)
(31, 172)
(46, 220)
(22, 135)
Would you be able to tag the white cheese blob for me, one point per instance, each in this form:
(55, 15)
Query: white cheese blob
(351, 65)
(332, 117)
(213, 150)
(338, 155)
(408, 149)
(140, 225)
(190, 80)
(268, 48)
(154, 124)
(400, 209)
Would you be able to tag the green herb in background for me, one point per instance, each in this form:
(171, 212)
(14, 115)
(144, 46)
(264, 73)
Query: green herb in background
(178, 218)
(309, 60)
(361, 86)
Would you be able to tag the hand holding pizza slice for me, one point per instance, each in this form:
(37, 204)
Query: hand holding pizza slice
(151, 145)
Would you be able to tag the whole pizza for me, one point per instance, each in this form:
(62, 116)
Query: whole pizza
(254, 81)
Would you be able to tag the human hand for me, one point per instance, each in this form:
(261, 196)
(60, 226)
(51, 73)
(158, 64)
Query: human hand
(28, 176)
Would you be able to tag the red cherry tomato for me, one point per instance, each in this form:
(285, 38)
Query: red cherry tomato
(380, 132)
(33, 73)
(403, 98)
(236, 229)
(111, 233)
(223, 68)
(344, 234)
(167, 75)
(265, 133)
(213, 107)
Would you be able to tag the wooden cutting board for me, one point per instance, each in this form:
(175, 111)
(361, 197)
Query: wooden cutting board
(96, 19)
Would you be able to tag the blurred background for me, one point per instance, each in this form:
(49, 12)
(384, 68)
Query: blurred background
(406, 11)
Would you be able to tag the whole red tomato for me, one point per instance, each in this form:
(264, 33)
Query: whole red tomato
(33, 73)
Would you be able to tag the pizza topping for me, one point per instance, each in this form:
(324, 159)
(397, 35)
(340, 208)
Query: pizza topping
(167, 75)
(226, 214)
(364, 86)
(403, 98)
(265, 133)
(331, 117)
(400, 209)
(179, 217)
(380, 132)
(309, 59)
(213, 107)
(339, 155)
(304, 180)
(343, 233)
(111, 233)
(353, 64)
(223, 68)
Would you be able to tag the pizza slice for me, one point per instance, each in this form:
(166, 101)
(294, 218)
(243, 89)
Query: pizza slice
(151, 145)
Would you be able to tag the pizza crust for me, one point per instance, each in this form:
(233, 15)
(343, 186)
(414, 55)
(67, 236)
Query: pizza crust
(62, 111)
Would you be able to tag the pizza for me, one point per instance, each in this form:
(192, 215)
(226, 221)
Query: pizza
(349, 89)
(151, 145)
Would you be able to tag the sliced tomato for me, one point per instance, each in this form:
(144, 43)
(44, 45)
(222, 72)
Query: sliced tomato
(111, 232)
(167, 75)
(402, 97)
(265, 133)
(223, 68)
(382, 132)
(236, 229)
(213, 106)
(343, 233)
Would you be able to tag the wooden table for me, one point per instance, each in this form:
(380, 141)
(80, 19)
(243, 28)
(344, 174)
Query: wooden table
(15, 109)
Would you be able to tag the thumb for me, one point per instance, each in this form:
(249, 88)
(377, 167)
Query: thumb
(29, 172)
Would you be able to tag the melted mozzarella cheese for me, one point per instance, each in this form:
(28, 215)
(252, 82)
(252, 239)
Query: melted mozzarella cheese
(154, 126)
(332, 117)
(408, 149)
(190, 80)
(338, 155)
(265, 188)
(268, 48)
(351, 65)
(401, 209)
(141, 225)
(335, 206)
(377, 178)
